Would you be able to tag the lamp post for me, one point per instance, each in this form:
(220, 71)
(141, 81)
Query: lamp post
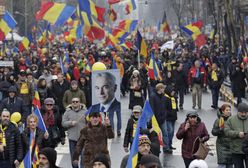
(25, 20)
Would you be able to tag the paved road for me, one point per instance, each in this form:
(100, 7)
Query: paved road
(207, 114)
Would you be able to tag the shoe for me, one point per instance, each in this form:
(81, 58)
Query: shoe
(118, 133)
(168, 151)
(181, 107)
(214, 107)
(172, 148)
(199, 108)
(193, 107)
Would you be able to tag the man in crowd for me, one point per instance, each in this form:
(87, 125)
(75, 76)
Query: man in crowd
(105, 88)
(236, 128)
(47, 158)
(11, 152)
(197, 78)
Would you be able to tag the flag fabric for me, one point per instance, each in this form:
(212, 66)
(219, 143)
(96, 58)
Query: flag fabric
(55, 13)
(89, 7)
(41, 123)
(111, 2)
(164, 25)
(36, 100)
(86, 114)
(24, 45)
(7, 23)
(146, 115)
(26, 163)
(194, 31)
(128, 25)
(131, 5)
(141, 45)
(34, 150)
(114, 66)
(112, 14)
(153, 70)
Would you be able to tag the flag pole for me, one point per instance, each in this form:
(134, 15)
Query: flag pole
(138, 58)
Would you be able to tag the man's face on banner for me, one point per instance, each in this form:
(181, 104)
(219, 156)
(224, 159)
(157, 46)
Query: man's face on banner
(104, 89)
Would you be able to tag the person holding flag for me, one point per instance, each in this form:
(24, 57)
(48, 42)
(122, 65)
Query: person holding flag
(36, 135)
(224, 154)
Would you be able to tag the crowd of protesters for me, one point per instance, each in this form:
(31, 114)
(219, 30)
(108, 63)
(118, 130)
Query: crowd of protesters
(65, 97)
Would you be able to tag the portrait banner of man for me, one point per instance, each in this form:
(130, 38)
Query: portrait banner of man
(106, 95)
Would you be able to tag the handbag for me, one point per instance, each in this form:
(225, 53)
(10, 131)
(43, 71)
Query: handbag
(202, 150)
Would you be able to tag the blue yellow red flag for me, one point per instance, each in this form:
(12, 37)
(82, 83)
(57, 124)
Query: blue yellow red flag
(153, 70)
(7, 23)
(141, 45)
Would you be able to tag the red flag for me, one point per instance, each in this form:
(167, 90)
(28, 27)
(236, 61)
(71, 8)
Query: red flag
(113, 1)
(100, 14)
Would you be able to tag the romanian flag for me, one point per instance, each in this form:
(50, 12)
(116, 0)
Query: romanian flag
(7, 23)
(194, 31)
(36, 100)
(41, 123)
(64, 70)
(146, 116)
(87, 114)
(114, 66)
(55, 13)
(112, 14)
(42, 39)
(164, 26)
(141, 45)
(89, 7)
(24, 45)
(153, 70)
(128, 25)
(34, 151)
(26, 163)
(131, 5)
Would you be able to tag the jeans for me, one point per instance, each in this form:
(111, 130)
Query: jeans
(72, 146)
(239, 160)
(215, 96)
(181, 91)
(225, 166)
(5, 164)
(170, 130)
(111, 118)
(164, 130)
(187, 162)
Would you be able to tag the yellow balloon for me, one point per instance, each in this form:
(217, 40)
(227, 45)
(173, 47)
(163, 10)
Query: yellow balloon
(43, 50)
(15, 117)
(98, 66)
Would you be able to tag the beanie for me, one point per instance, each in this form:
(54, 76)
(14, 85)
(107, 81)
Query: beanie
(50, 154)
(49, 101)
(150, 160)
(144, 139)
(242, 107)
(103, 159)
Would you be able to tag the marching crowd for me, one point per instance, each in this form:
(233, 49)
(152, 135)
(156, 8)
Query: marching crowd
(65, 100)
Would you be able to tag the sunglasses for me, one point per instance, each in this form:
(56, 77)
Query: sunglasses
(49, 104)
(75, 101)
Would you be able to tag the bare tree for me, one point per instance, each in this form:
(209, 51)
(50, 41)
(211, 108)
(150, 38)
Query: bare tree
(178, 6)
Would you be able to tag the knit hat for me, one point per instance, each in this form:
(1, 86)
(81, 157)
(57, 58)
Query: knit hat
(192, 113)
(136, 72)
(50, 154)
(144, 139)
(12, 89)
(197, 163)
(150, 160)
(137, 108)
(74, 82)
(242, 107)
(49, 101)
(103, 159)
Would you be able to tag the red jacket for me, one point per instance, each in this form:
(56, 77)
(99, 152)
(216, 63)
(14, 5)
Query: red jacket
(189, 137)
(202, 79)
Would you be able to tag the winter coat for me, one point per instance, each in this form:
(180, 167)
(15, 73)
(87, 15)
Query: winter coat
(136, 93)
(69, 94)
(245, 146)
(158, 105)
(222, 143)
(238, 82)
(57, 92)
(215, 84)
(73, 115)
(27, 98)
(56, 132)
(193, 79)
(129, 134)
(13, 150)
(233, 127)
(25, 135)
(189, 136)
(180, 79)
(171, 111)
(92, 141)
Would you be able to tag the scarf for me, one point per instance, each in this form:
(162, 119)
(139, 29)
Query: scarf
(49, 118)
(173, 102)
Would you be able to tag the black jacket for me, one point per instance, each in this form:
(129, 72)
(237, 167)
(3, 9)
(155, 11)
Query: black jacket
(13, 150)
(128, 138)
(215, 84)
(180, 79)
(245, 146)
(158, 105)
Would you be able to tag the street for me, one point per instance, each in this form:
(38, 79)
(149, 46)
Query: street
(175, 160)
